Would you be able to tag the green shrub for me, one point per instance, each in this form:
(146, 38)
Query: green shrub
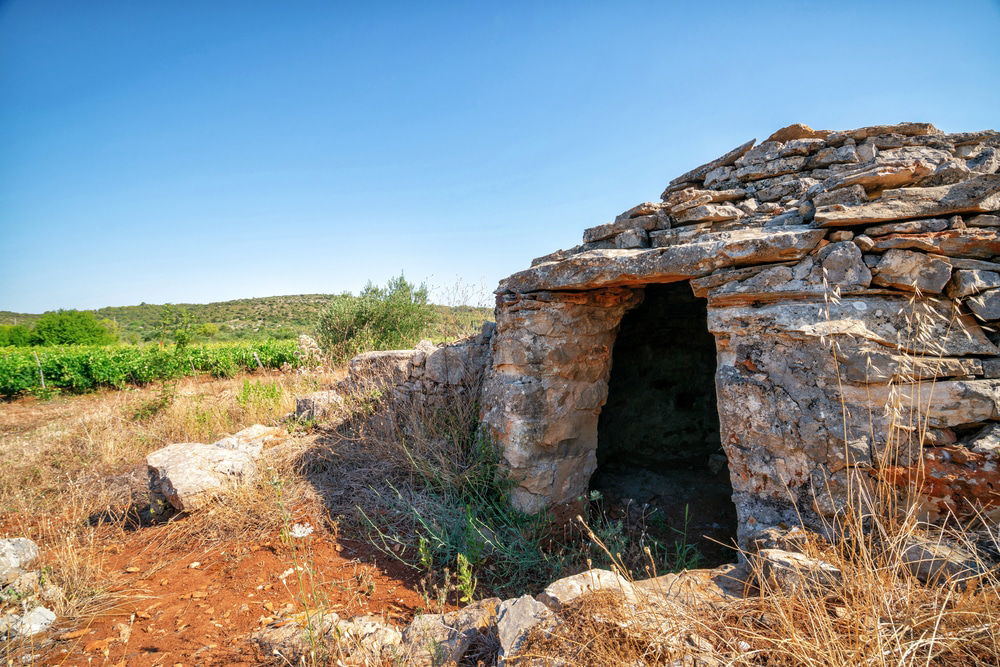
(72, 327)
(17, 335)
(380, 318)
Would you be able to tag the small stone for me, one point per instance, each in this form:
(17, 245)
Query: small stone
(965, 282)
(912, 227)
(516, 618)
(632, 238)
(938, 562)
(986, 305)
(841, 236)
(709, 213)
(793, 572)
(864, 242)
(987, 440)
(912, 271)
(15, 554)
(31, 623)
(984, 220)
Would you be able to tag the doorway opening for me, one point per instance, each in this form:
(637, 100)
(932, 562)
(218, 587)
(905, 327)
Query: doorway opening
(660, 463)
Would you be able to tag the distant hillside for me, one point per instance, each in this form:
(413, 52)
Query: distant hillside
(263, 317)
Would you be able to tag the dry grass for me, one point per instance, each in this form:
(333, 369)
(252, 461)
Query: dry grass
(74, 477)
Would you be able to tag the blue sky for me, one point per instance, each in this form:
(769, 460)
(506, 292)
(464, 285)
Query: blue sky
(202, 151)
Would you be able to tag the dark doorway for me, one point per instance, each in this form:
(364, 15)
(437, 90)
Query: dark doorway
(659, 458)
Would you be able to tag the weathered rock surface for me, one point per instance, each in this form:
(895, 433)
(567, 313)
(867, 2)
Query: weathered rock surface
(436, 639)
(516, 618)
(16, 553)
(793, 572)
(977, 195)
(188, 475)
(912, 271)
(361, 640)
(939, 562)
(317, 405)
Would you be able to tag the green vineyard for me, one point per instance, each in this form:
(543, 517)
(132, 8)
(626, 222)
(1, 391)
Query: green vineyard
(82, 368)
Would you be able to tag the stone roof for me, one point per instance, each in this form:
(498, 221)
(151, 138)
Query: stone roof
(907, 186)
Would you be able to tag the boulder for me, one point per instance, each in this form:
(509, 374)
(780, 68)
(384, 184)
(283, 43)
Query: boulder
(188, 475)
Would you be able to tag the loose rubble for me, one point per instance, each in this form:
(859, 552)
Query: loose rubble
(24, 593)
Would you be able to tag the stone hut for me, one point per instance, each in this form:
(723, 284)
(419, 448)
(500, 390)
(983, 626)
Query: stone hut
(819, 307)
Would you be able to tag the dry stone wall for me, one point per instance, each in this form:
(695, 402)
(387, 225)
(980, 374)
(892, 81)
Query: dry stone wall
(853, 289)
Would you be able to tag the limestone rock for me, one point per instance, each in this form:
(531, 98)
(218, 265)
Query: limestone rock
(966, 282)
(36, 620)
(252, 439)
(362, 640)
(987, 442)
(559, 593)
(974, 243)
(15, 554)
(317, 405)
(985, 305)
(912, 227)
(937, 561)
(516, 618)
(612, 229)
(698, 174)
(797, 131)
(977, 195)
(709, 213)
(793, 572)
(188, 475)
(445, 638)
(599, 268)
(985, 220)
(912, 271)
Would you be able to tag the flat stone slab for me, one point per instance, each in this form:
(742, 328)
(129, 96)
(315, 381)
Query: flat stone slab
(976, 195)
(606, 268)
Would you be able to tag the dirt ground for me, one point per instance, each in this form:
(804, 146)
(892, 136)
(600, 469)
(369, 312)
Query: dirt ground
(199, 607)
(177, 595)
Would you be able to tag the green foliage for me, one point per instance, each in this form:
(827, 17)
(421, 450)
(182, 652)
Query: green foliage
(72, 327)
(175, 324)
(259, 395)
(17, 335)
(82, 368)
(264, 318)
(380, 318)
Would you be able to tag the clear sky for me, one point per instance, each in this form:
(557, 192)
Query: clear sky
(179, 151)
